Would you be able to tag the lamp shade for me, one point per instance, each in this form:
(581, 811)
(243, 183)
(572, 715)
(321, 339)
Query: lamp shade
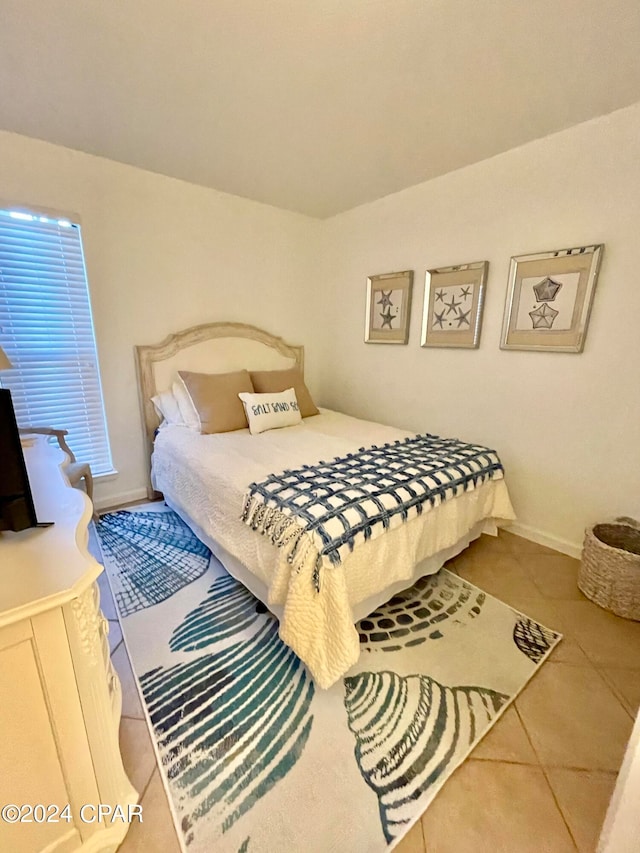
(5, 364)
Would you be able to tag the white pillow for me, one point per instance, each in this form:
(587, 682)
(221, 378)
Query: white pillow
(271, 411)
(167, 407)
(188, 411)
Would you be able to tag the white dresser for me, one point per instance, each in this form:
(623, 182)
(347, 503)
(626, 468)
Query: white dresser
(60, 698)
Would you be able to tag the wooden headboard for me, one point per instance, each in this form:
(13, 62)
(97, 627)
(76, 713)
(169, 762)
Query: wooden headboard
(209, 348)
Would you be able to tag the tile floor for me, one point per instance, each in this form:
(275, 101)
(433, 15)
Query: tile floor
(541, 780)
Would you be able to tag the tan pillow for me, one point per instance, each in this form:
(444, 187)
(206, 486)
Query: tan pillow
(215, 398)
(274, 381)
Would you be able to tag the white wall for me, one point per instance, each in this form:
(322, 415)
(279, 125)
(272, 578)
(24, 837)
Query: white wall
(162, 255)
(621, 830)
(567, 426)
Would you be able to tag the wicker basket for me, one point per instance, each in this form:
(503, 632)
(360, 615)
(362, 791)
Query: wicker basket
(610, 568)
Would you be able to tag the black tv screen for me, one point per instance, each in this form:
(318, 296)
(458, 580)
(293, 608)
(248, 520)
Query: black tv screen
(17, 511)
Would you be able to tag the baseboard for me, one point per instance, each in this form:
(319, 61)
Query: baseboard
(563, 545)
(123, 498)
(540, 538)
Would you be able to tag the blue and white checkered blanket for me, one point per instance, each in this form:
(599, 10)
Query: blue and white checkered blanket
(324, 511)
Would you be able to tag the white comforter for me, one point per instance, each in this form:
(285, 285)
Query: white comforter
(207, 476)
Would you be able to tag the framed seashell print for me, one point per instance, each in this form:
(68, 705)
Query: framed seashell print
(453, 302)
(549, 299)
(388, 308)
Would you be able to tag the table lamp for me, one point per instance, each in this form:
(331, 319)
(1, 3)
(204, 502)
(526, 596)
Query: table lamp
(5, 364)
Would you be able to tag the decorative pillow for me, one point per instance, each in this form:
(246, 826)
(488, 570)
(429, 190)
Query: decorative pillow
(215, 399)
(272, 381)
(271, 411)
(166, 406)
(187, 410)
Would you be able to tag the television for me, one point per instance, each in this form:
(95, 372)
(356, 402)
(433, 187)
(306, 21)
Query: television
(17, 511)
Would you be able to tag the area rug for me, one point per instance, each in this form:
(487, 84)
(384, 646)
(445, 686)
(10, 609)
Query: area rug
(257, 759)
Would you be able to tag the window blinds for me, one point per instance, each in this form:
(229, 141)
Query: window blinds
(46, 330)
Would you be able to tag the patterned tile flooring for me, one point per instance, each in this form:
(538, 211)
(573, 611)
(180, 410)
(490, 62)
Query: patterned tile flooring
(542, 778)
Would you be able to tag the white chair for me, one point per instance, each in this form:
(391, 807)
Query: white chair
(75, 471)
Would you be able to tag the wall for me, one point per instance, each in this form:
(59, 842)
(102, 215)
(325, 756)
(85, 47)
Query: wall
(162, 255)
(621, 828)
(566, 425)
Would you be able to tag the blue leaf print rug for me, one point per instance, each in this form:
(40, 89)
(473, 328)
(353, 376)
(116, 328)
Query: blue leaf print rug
(257, 759)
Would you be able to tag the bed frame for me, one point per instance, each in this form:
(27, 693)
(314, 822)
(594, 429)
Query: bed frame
(213, 348)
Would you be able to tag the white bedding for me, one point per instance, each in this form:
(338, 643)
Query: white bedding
(206, 476)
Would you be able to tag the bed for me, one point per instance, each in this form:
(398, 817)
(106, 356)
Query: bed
(204, 478)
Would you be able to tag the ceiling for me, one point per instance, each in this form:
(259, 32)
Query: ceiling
(311, 105)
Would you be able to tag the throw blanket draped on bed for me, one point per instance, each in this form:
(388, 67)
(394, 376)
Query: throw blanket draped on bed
(324, 511)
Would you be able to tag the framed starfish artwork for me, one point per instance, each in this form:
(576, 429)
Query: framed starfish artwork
(453, 301)
(388, 308)
(549, 299)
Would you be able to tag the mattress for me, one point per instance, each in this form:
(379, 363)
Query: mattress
(205, 477)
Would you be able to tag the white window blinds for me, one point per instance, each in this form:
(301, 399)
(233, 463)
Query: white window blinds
(46, 330)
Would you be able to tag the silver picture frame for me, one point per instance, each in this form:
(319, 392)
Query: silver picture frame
(388, 308)
(453, 303)
(549, 299)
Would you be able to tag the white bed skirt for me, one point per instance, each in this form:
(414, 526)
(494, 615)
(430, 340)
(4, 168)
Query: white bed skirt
(361, 609)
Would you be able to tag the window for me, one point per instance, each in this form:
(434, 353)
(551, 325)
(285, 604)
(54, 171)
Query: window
(46, 330)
